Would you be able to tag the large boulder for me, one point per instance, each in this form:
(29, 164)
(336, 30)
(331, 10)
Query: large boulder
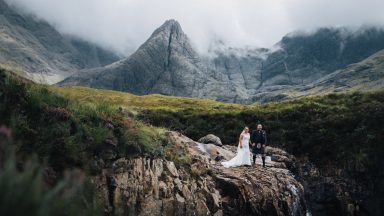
(210, 139)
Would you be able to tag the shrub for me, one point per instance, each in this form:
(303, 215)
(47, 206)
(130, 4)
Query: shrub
(24, 192)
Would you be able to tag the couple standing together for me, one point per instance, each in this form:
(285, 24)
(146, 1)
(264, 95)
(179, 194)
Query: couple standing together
(257, 141)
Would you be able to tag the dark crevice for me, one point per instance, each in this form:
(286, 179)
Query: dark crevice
(169, 49)
(167, 63)
(111, 186)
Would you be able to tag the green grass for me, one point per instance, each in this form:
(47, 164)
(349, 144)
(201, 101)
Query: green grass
(347, 128)
(138, 103)
(64, 134)
(69, 133)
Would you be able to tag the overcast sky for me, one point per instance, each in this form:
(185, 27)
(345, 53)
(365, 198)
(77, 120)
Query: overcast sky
(125, 24)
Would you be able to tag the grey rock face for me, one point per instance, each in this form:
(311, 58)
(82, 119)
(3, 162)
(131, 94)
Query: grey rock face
(306, 58)
(364, 76)
(367, 75)
(240, 70)
(167, 64)
(211, 139)
(38, 49)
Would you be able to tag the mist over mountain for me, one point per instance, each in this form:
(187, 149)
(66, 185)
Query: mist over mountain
(168, 64)
(124, 25)
(41, 52)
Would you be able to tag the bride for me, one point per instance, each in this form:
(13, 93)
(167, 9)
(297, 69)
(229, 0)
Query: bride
(243, 156)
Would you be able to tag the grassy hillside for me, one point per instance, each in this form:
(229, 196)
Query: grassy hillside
(138, 103)
(66, 133)
(346, 128)
(72, 140)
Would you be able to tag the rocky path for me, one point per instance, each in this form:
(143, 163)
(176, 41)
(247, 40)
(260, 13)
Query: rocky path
(144, 186)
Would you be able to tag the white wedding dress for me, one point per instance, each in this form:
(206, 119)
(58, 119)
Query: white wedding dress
(243, 156)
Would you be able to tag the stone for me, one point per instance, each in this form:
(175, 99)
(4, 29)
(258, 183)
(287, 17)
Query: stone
(163, 190)
(169, 206)
(216, 199)
(178, 184)
(210, 139)
(179, 198)
(201, 208)
(179, 205)
(218, 213)
(186, 193)
(172, 169)
(157, 167)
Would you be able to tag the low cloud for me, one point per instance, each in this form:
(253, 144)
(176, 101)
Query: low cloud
(123, 25)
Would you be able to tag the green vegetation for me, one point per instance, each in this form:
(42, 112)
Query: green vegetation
(24, 191)
(346, 128)
(135, 103)
(67, 133)
(343, 129)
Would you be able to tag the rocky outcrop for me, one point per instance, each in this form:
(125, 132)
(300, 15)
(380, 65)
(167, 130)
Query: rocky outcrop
(210, 139)
(150, 186)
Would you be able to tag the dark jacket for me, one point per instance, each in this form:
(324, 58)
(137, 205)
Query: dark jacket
(259, 136)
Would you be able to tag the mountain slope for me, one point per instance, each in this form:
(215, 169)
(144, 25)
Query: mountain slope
(37, 48)
(167, 64)
(304, 58)
(364, 76)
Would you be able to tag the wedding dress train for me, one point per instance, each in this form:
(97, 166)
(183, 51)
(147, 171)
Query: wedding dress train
(243, 156)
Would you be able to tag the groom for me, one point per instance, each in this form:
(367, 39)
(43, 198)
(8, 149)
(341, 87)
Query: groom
(259, 141)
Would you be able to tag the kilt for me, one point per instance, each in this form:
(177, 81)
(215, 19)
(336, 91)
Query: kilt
(256, 150)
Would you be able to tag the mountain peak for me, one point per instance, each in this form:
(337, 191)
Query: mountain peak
(170, 26)
(171, 23)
